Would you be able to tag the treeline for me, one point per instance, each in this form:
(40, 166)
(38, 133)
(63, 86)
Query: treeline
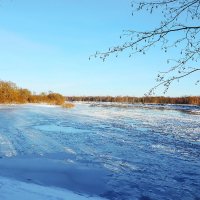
(10, 93)
(127, 99)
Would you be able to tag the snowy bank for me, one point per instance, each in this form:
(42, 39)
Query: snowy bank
(13, 190)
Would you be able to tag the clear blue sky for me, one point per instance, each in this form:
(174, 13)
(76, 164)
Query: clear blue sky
(45, 45)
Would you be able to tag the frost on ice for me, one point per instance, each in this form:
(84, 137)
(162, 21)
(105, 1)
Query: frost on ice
(100, 151)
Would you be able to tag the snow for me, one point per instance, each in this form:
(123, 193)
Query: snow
(54, 171)
(12, 190)
(110, 151)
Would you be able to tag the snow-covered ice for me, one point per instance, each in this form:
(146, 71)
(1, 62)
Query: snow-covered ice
(110, 151)
(11, 189)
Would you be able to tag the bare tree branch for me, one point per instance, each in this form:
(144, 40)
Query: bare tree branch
(181, 20)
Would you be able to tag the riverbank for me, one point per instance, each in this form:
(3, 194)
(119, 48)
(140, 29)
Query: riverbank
(66, 105)
(11, 94)
(195, 100)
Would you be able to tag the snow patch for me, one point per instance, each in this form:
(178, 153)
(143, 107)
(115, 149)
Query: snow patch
(13, 190)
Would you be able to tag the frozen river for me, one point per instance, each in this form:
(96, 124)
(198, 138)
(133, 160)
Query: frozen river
(113, 152)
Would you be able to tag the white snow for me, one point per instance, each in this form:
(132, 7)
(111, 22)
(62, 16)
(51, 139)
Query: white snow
(127, 152)
(11, 189)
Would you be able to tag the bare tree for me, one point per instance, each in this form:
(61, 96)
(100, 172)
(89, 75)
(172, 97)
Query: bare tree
(181, 20)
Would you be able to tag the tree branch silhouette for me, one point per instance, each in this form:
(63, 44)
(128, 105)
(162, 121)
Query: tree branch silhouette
(180, 19)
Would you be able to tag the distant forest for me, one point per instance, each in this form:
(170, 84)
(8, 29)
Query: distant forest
(10, 93)
(127, 99)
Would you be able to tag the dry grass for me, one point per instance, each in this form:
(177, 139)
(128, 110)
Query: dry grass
(68, 105)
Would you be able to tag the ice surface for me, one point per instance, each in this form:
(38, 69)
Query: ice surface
(120, 152)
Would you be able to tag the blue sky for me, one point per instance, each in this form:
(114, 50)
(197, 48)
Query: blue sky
(45, 45)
